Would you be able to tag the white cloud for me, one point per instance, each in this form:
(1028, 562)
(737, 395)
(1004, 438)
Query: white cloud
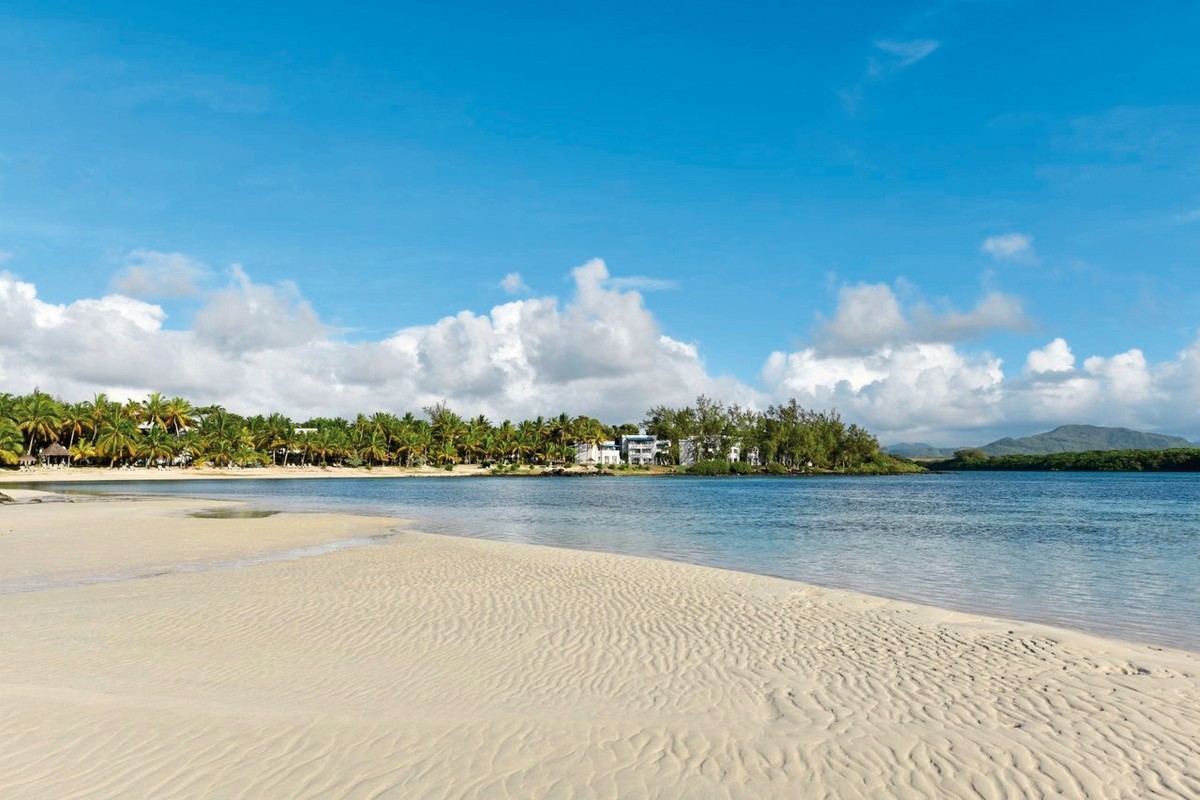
(255, 348)
(151, 274)
(1054, 357)
(513, 284)
(248, 317)
(903, 53)
(907, 371)
(995, 312)
(907, 374)
(917, 387)
(1009, 247)
(889, 57)
(869, 316)
(642, 283)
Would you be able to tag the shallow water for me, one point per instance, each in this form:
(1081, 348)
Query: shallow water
(1116, 554)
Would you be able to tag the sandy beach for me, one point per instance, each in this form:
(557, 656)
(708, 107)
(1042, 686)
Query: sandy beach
(151, 653)
(37, 475)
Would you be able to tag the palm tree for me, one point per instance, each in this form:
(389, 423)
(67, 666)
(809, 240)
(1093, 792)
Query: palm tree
(374, 448)
(83, 451)
(39, 416)
(97, 409)
(117, 438)
(76, 418)
(157, 445)
(179, 415)
(274, 434)
(11, 442)
(154, 411)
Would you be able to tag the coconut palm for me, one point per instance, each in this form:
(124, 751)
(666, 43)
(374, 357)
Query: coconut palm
(11, 442)
(82, 452)
(157, 445)
(179, 415)
(117, 438)
(97, 409)
(153, 411)
(373, 448)
(39, 416)
(76, 420)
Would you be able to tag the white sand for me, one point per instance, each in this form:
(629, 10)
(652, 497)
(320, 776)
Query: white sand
(95, 474)
(427, 666)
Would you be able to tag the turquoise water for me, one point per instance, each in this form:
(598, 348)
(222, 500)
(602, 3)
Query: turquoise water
(1116, 554)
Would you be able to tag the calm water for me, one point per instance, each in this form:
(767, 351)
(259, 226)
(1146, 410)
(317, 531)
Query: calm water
(1117, 554)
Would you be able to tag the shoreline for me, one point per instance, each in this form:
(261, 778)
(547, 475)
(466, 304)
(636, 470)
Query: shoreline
(1130, 637)
(428, 665)
(105, 474)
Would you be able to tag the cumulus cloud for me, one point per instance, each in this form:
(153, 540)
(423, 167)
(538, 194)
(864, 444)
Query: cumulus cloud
(248, 317)
(908, 371)
(513, 284)
(151, 274)
(910, 374)
(256, 347)
(869, 317)
(1054, 357)
(1009, 247)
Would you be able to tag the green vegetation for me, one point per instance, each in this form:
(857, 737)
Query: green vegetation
(172, 431)
(1063, 439)
(1081, 439)
(1178, 460)
(784, 439)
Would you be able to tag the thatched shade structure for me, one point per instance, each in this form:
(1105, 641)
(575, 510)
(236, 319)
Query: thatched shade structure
(54, 452)
(26, 461)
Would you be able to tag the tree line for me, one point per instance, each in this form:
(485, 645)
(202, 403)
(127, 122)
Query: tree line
(162, 430)
(1174, 460)
(787, 436)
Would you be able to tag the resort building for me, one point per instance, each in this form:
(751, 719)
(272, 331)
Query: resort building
(752, 456)
(639, 450)
(691, 451)
(601, 453)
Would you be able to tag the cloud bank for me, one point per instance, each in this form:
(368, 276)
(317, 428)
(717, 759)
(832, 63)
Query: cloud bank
(911, 374)
(908, 371)
(255, 347)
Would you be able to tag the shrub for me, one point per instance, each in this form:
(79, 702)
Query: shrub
(712, 466)
(740, 468)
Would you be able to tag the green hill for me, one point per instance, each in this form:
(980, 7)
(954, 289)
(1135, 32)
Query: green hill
(918, 450)
(1081, 438)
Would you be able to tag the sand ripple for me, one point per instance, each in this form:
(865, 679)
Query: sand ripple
(437, 667)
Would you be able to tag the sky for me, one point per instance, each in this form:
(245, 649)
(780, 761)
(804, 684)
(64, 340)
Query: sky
(950, 221)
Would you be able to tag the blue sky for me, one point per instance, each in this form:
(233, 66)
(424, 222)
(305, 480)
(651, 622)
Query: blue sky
(751, 176)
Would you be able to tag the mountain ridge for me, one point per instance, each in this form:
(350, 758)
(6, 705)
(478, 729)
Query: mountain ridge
(1063, 439)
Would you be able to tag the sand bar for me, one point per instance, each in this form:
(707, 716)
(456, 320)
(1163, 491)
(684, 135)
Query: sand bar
(427, 666)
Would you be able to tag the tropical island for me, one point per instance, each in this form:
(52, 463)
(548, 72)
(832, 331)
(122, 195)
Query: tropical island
(707, 438)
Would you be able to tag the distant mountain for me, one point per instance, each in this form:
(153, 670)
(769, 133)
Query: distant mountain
(1079, 438)
(919, 450)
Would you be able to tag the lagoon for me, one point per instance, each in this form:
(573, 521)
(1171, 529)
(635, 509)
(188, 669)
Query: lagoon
(1113, 554)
